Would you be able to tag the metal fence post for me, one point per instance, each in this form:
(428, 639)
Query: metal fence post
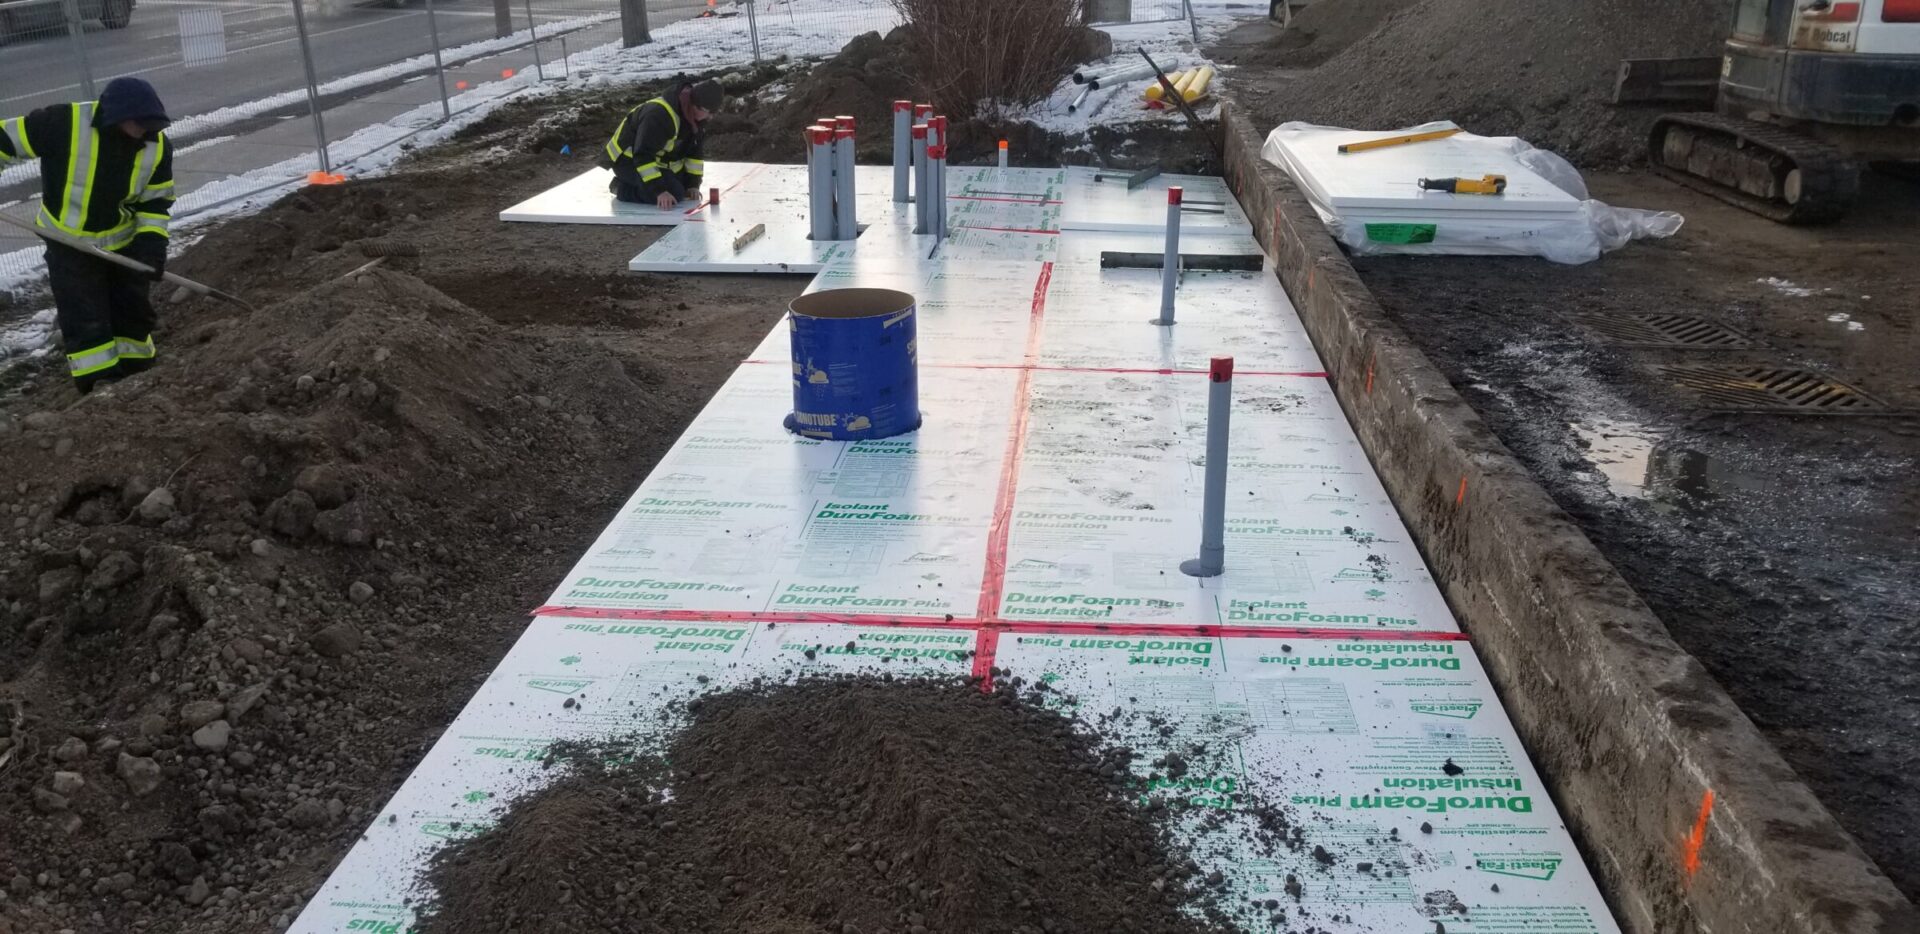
(313, 87)
(1193, 26)
(539, 67)
(71, 9)
(439, 69)
(753, 29)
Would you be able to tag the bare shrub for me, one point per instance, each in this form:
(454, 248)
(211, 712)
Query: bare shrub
(974, 55)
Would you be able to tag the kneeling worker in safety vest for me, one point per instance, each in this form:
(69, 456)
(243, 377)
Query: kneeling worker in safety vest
(106, 172)
(655, 151)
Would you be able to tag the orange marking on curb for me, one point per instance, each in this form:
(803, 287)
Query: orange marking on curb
(1699, 836)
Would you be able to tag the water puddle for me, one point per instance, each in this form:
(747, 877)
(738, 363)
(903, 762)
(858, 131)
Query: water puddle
(1639, 464)
(1621, 451)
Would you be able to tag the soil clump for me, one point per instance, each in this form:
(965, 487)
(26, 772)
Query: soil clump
(831, 806)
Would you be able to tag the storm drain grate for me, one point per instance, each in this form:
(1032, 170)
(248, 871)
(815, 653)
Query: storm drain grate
(1659, 330)
(1735, 388)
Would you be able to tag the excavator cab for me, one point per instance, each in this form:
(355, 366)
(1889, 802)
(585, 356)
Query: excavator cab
(1808, 90)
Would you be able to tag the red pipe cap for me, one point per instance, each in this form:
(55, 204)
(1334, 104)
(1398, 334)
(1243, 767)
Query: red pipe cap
(902, 105)
(936, 152)
(939, 123)
(843, 132)
(827, 122)
(1173, 197)
(713, 196)
(923, 110)
(919, 131)
(843, 118)
(1220, 370)
(818, 135)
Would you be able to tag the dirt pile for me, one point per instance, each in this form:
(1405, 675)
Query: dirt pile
(214, 567)
(1317, 33)
(833, 807)
(241, 594)
(770, 105)
(1539, 69)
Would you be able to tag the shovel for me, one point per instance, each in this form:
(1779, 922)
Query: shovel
(54, 236)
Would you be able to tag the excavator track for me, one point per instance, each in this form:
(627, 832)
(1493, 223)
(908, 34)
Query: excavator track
(1770, 170)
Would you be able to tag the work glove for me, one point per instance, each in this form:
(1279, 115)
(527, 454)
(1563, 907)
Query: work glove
(150, 250)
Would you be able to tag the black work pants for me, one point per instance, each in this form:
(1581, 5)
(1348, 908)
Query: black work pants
(106, 318)
(683, 185)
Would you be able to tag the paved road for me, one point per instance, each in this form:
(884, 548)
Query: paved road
(263, 52)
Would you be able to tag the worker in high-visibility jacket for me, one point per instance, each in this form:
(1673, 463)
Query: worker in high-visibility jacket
(655, 151)
(106, 176)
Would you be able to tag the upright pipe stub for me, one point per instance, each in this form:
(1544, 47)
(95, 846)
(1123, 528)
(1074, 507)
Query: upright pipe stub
(937, 186)
(922, 198)
(902, 151)
(1003, 153)
(846, 222)
(1213, 503)
(820, 182)
(1170, 267)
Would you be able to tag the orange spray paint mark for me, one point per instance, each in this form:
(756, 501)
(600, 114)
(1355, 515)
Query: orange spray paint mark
(1461, 496)
(1370, 359)
(1698, 838)
(459, 85)
(506, 72)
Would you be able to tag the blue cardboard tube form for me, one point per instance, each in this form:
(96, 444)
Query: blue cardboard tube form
(855, 369)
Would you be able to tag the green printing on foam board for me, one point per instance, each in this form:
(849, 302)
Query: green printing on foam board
(1401, 233)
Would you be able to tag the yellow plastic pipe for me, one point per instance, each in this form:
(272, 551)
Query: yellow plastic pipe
(1195, 87)
(1155, 91)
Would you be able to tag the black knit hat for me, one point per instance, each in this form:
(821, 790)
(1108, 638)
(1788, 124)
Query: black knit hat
(707, 95)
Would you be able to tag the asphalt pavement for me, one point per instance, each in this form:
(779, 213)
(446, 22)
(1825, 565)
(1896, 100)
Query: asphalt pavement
(262, 47)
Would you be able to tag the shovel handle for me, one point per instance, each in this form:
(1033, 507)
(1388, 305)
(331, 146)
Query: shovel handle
(54, 236)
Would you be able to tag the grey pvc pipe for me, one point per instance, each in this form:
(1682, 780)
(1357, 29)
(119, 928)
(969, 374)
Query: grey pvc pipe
(937, 211)
(846, 223)
(1170, 268)
(820, 181)
(922, 196)
(1213, 501)
(1120, 75)
(902, 151)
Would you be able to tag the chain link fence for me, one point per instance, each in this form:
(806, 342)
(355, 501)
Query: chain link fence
(265, 92)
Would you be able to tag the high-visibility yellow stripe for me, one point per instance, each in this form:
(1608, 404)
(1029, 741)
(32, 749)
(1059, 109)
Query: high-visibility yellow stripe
(93, 359)
(93, 167)
(613, 145)
(649, 172)
(130, 349)
(696, 166)
(615, 150)
(16, 132)
(76, 188)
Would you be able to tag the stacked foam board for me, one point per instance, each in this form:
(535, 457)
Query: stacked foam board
(1372, 200)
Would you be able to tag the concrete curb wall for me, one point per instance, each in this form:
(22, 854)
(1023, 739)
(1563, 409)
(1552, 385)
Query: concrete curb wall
(1691, 820)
